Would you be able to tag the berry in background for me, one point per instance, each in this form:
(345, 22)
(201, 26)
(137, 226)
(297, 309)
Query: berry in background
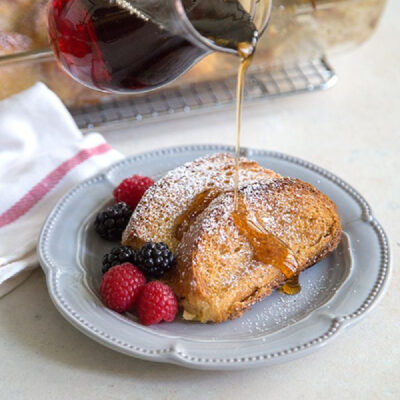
(132, 189)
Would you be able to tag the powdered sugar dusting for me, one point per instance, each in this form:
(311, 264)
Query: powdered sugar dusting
(281, 310)
(267, 204)
(173, 194)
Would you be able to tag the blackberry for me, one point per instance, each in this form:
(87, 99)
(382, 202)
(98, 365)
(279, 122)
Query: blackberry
(155, 259)
(118, 255)
(111, 222)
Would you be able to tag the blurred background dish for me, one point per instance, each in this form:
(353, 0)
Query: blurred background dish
(300, 31)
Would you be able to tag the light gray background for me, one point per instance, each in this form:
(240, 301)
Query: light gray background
(352, 130)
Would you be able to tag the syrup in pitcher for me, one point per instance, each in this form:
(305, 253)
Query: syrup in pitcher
(110, 46)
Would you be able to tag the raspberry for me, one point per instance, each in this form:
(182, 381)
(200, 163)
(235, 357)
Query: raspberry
(121, 286)
(156, 303)
(132, 189)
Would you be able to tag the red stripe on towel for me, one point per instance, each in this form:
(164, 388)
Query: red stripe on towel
(47, 183)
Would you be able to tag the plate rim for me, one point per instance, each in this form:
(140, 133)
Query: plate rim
(173, 354)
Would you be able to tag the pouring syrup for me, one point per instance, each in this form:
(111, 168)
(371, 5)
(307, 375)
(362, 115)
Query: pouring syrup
(106, 47)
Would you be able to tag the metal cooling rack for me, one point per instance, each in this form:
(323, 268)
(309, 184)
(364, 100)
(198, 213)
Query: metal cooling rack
(275, 81)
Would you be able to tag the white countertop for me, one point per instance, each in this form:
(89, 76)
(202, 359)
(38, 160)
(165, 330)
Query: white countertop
(352, 130)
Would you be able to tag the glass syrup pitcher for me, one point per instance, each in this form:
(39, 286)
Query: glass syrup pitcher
(133, 46)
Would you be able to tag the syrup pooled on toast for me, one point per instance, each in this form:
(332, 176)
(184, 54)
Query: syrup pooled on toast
(199, 204)
(267, 247)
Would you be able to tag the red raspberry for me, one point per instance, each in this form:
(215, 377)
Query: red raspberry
(120, 287)
(156, 303)
(132, 189)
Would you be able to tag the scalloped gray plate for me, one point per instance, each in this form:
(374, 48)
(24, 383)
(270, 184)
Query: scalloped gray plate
(335, 293)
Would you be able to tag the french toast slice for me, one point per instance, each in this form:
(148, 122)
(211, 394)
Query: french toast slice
(218, 275)
(156, 216)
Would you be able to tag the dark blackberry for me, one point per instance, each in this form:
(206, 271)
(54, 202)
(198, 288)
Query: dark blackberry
(118, 255)
(111, 222)
(155, 259)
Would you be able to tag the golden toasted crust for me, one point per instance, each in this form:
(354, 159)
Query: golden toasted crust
(217, 276)
(156, 215)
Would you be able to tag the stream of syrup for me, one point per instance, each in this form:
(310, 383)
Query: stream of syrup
(245, 52)
(267, 248)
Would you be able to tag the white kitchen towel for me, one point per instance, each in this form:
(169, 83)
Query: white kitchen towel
(42, 156)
